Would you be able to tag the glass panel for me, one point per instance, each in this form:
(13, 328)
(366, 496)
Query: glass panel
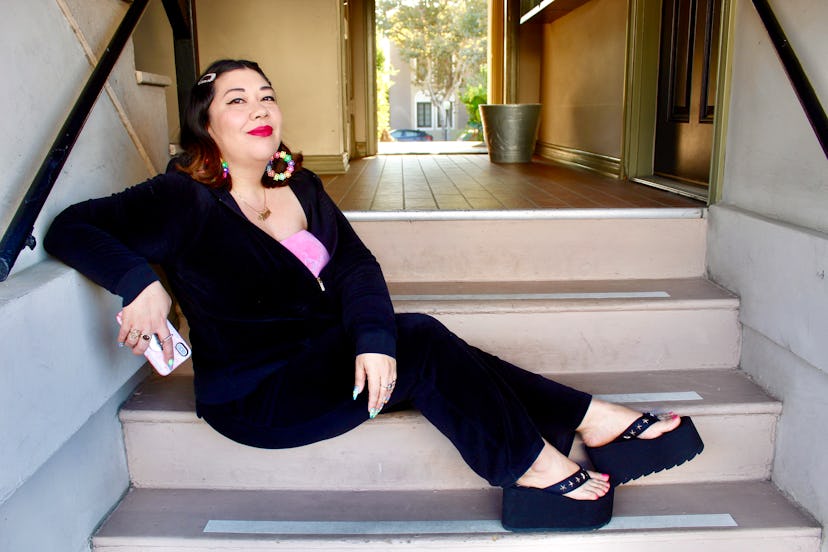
(682, 59)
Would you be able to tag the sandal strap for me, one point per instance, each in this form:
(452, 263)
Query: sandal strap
(570, 483)
(638, 427)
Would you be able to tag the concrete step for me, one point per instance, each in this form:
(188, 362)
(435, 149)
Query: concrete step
(624, 325)
(569, 244)
(548, 326)
(169, 447)
(720, 517)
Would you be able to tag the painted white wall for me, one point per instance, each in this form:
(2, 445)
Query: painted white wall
(62, 464)
(400, 95)
(582, 85)
(768, 238)
(298, 44)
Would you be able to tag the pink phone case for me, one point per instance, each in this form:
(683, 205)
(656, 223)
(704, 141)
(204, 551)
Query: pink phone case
(154, 354)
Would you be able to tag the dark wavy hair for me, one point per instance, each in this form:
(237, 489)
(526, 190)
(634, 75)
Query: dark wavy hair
(202, 158)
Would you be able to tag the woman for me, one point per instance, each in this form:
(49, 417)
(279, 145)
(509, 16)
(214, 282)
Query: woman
(293, 333)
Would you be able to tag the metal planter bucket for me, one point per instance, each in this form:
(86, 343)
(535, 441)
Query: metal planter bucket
(510, 131)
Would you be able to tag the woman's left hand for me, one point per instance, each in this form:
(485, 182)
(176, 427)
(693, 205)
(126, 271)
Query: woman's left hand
(380, 371)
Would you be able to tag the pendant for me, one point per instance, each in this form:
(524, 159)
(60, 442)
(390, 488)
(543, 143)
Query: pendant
(264, 214)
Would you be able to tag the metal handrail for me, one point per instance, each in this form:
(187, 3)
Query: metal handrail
(19, 233)
(801, 84)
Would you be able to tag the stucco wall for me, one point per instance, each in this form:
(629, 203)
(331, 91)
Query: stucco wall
(582, 85)
(155, 53)
(62, 464)
(768, 238)
(298, 43)
(765, 170)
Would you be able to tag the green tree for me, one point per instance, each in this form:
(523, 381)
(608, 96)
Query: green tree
(475, 94)
(384, 74)
(444, 42)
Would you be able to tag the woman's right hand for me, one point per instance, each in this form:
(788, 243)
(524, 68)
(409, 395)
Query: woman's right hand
(144, 316)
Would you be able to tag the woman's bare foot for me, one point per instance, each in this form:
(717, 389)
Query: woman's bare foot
(551, 466)
(605, 421)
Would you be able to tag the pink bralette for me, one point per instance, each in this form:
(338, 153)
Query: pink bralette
(309, 250)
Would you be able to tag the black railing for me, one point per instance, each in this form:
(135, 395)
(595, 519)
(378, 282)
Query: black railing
(802, 86)
(19, 233)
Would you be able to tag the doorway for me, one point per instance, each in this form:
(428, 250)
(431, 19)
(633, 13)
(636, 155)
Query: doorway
(677, 79)
(687, 90)
(429, 82)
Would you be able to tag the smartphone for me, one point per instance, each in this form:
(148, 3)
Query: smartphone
(155, 355)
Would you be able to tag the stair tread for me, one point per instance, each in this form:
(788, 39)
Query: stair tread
(714, 391)
(165, 517)
(735, 417)
(559, 295)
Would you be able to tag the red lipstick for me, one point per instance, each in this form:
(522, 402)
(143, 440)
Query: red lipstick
(265, 130)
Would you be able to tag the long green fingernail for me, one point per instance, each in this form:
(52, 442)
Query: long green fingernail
(356, 391)
(373, 413)
(170, 363)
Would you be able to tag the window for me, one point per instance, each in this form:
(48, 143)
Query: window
(424, 114)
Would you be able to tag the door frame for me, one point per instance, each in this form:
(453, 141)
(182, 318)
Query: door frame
(641, 89)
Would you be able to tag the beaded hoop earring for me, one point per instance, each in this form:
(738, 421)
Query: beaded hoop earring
(287, 173)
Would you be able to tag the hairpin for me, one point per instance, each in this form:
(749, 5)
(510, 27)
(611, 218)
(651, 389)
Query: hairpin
(209, 77)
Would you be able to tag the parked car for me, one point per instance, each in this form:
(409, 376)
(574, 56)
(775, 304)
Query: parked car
(411, 135)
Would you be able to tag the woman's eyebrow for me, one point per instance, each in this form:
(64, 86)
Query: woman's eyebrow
(265, 87)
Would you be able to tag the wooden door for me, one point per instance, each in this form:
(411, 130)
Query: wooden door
(687, 89)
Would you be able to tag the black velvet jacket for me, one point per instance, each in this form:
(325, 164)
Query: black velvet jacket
(250, 303)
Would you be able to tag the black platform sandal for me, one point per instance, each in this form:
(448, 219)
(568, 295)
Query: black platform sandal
(627, 457)
(530, 509)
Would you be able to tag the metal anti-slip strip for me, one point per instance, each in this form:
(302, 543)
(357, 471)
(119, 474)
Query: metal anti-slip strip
(530, 296)
(618, 523)
(650, 397)
(530, 214)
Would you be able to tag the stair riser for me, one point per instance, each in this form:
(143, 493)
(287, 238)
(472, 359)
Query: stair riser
(504, 250)
(395, 452)
(605, 341)
(596, 341)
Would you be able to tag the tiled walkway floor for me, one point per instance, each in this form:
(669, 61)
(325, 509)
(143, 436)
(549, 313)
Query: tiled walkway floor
(471, 182)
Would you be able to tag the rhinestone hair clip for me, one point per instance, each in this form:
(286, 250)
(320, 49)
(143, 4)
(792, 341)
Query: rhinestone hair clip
(209, 77)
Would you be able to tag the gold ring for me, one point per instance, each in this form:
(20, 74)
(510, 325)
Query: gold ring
(134, 334)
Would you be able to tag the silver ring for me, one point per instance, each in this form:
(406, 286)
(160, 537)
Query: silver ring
(166, 338)
(390, 386)
(134, 334)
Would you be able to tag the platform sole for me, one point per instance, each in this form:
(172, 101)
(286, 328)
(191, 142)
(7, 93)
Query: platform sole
(526, 509)
(628, 460)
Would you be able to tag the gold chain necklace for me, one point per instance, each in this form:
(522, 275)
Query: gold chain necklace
(261, 215)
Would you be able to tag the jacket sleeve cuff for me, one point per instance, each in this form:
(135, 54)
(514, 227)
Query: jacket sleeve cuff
(377, 342)
(134, 281)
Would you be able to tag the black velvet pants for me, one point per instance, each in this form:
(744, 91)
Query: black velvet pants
(496, 414)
